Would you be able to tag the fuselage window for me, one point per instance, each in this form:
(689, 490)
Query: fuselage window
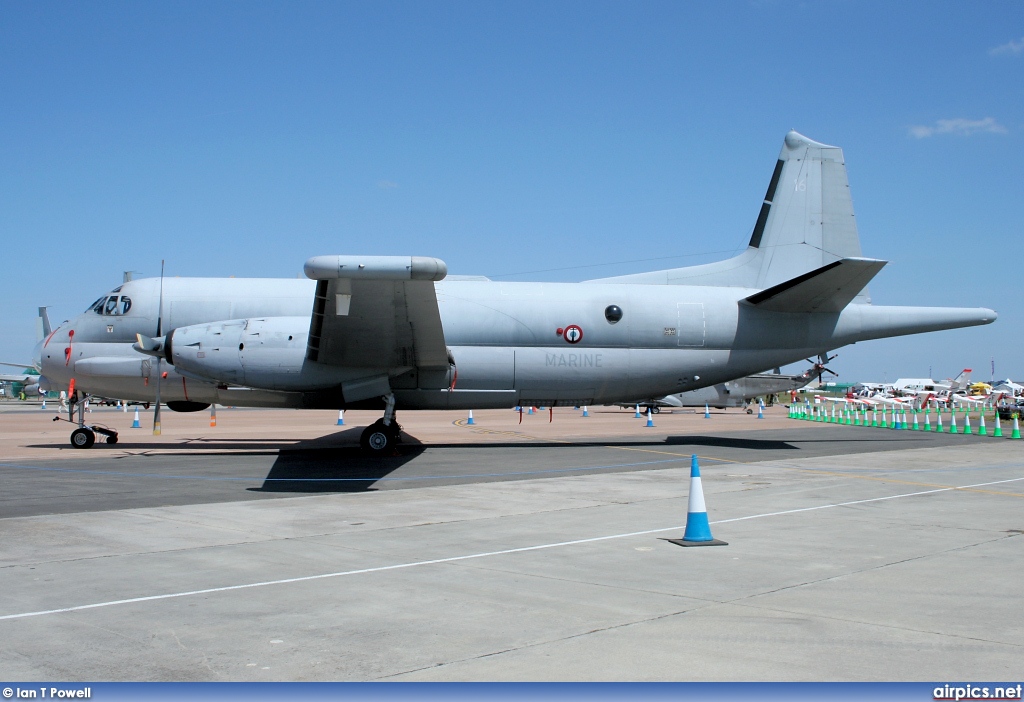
(97, 306)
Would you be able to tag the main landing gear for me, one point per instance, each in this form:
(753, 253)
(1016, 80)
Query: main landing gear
(85, 435)
(381, 437)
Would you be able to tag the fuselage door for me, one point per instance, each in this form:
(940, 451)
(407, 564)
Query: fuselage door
(691, 327)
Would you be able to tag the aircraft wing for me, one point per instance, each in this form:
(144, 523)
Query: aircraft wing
(376, 312)
(23, 378)
(827, 289)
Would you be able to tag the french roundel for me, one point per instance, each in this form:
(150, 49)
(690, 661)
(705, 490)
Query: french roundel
(573, 334)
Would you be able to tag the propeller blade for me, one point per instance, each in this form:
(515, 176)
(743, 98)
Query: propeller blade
(150, 347)
(159, 370)
(156, 407)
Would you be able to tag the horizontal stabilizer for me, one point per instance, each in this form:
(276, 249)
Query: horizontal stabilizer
(827, 289)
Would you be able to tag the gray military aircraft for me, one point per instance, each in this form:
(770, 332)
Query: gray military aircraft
(387, 331)
(739, 392)
(29, 379)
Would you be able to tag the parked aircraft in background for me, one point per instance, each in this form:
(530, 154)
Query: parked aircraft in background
(29, 377)
(740, 392)
(398, 332)
(915, 386)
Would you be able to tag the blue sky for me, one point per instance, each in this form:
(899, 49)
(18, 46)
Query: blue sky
(573, 138)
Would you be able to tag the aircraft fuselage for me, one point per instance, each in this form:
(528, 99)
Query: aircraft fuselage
(512, 343)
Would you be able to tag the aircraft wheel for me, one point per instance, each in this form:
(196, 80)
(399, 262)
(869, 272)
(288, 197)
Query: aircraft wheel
(83, 438)
(111, 439)
(655, 410)
(750, 411)
(379, 439)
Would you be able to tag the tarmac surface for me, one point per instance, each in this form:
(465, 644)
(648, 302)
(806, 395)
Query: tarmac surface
(269, 548)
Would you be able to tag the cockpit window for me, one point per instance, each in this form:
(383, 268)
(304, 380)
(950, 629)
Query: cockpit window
(112, 305)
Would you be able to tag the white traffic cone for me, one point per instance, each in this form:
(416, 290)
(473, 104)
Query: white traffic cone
(698, 530)
(760, 410)
(650, 417)
(585, 412)
(341, 418)
(470, 420)
(135, 422)
(44, 404)
(707, 411)
(637, 415)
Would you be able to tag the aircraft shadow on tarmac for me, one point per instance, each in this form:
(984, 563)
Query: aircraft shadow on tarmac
(344, 469)
(319, 466)
(335, 463)
(309, 468)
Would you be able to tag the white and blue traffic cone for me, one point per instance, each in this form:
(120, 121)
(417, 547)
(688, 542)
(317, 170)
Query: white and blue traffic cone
(650, 418)
(585, 412)
(637, 415)
(135, 422)
(44, 404)
(760, 410)
(698, 530)
(470, 420)
(341, 418)
(707, 411)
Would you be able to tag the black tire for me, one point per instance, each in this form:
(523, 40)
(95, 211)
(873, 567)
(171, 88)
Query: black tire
(112, 439)
(379, 439)
(82, 438)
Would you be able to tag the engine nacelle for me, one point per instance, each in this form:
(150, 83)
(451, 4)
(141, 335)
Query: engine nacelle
(268, 353)
(263, 353)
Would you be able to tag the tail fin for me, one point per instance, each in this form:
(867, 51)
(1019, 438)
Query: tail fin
(806, 221)
(42, 325)
(961, 380)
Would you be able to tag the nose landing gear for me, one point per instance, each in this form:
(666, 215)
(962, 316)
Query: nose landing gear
(85, 435)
